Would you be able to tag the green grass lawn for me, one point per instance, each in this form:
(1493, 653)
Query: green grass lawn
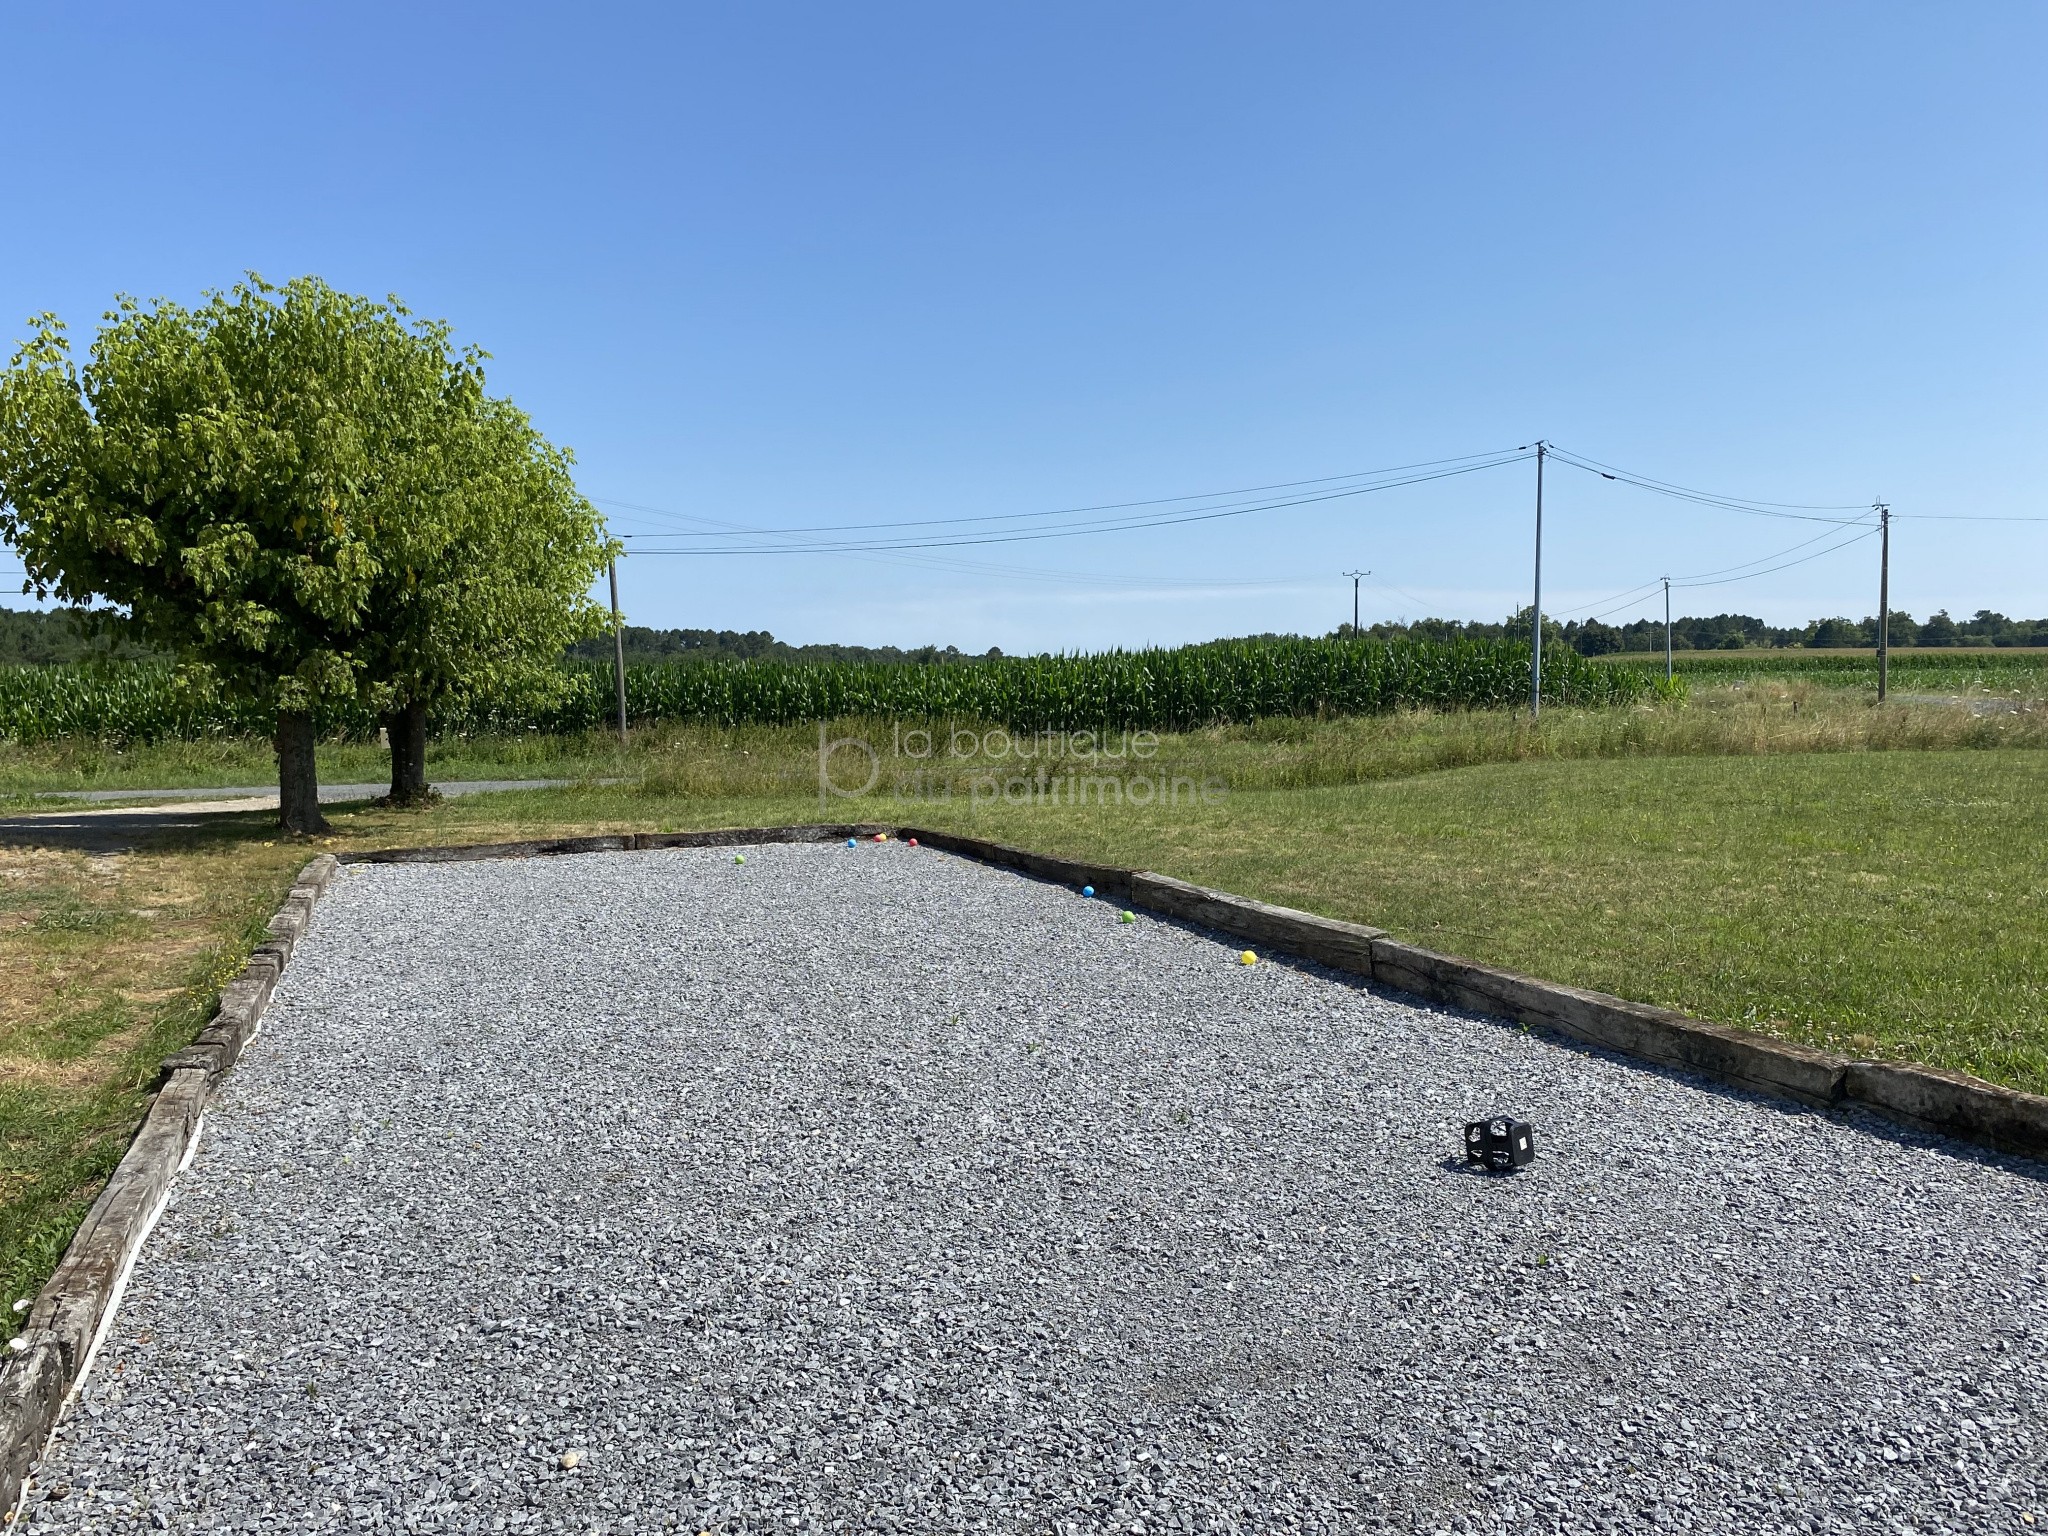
(1882, 902)
(1889, 903)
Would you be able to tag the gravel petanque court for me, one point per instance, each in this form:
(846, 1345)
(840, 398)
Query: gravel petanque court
(876, 1190)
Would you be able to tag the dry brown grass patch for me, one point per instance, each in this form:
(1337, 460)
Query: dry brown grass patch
(87, 947)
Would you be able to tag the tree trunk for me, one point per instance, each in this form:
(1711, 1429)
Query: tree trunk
(406, 727)
(298, 776)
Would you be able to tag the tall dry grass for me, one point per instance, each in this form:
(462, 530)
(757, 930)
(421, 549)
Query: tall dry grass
(1744, 719)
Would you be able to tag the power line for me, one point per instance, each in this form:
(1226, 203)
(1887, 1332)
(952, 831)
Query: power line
(1751, 505)
(1636, 595)
(1817, 554)
(1115, 526)
(974, 530)
(1053, 578)
(1697, 578)
(1620, 599)
(1388, 586)
(1594, 618)
(1964, 517)
(956, 564)
(1502, 454)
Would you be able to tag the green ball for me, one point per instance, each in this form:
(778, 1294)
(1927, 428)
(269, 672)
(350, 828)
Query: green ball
(739, 858)
(1128, 917)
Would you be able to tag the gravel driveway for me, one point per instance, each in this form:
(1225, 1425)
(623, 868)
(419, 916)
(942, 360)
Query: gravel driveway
(872, 1189)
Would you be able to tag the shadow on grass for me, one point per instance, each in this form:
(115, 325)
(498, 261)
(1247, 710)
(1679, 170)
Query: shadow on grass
(131, 829)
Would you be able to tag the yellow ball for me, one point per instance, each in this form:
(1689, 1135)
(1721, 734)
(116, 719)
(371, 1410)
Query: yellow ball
(1247, 958)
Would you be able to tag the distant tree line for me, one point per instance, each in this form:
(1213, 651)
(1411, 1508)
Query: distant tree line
(1731, 632)
(643, 644)
(42, 637)
(46, 637)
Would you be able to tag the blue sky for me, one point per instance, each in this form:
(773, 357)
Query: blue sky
(778, 265)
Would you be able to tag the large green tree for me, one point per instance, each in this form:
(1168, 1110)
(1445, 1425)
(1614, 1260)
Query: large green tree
(265, 486)
(480, 593)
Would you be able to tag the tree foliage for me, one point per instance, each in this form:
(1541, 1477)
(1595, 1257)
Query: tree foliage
(223, 475)
(305, 495)
(483, 594)
(480, 594)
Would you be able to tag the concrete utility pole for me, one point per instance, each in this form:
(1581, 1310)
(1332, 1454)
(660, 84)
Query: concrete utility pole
(1354, 575)
(1884, 600)
(1536, 616)
(618, 652)
(1667, 629)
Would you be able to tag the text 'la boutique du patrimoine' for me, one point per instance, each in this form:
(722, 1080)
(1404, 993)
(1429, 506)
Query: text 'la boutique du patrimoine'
(1045, 768)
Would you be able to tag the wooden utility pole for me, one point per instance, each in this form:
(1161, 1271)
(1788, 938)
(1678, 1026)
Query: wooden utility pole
(1667, 629)
(618, 652)
(1536, 615)
(1354, 575)
(1884, 600)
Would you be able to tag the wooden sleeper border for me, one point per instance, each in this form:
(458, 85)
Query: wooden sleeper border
(72, 1312)
(1925, 1098)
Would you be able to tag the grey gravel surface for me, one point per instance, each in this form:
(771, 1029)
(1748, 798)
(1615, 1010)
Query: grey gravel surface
(875, 1190)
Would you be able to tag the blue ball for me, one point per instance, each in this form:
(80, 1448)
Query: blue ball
(849, 842)
(1087, 890)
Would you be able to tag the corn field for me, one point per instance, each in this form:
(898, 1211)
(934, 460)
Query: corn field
(1996, 670)
(1194, 686)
